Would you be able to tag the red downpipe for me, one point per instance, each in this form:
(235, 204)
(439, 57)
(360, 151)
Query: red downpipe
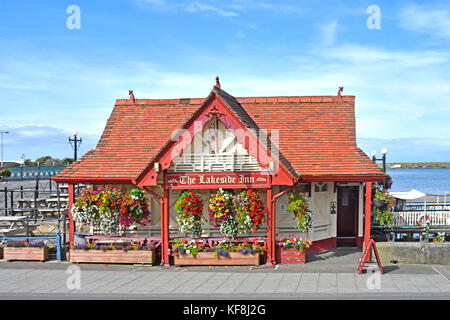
(273, 214)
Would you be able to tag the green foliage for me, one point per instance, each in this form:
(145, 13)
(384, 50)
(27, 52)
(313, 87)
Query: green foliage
(48, 161)
(298, 205)
(385, 216)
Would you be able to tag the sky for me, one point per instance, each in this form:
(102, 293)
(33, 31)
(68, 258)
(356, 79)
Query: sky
(55, 78)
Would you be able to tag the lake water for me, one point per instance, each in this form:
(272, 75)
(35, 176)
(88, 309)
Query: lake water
(431, 181)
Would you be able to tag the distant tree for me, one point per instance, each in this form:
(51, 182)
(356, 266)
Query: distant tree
(48, 161)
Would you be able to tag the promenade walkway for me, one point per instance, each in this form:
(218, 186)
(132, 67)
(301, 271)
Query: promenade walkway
(52, 280)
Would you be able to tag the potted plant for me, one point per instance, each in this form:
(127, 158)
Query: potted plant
(221, 213)
(189, 208)
(292, 249)
(193, 252)
(129, 252)
(26, 250)
(298, 205)
(250, 210)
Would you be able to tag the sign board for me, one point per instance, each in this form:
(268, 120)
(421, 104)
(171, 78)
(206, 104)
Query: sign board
(212, 180)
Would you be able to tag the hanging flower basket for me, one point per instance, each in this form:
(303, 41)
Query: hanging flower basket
(250, 210)
(134, 208)
(298, 205)
(99, 209)
(221, 213)
(189, 208)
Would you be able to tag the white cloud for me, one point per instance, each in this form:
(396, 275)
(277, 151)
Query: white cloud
(434, 21)
(328, 32)
(201, 7)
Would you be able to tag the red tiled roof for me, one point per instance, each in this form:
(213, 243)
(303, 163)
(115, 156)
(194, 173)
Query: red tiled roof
(316, 135)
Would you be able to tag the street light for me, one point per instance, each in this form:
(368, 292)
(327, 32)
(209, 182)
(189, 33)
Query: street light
(2, 132)
(383, 158)
(75, 145)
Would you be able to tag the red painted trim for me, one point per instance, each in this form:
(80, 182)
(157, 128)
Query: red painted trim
(368, 213)
(324, 244)
(165, 230)
(71, 222)
(359, 242)
(343, 178)
(214, 105)
(98, 180)
(270, 212)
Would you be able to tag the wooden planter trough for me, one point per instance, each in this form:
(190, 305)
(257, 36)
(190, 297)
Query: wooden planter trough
(112, 256)
(290, 256)
(211, 259)
(25, 253)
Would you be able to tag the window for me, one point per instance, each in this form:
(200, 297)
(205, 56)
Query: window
(321, 187)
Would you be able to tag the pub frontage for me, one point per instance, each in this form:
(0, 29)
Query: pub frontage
(231, 169)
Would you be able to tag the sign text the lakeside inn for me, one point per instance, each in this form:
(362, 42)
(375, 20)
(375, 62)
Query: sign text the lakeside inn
(217, 180)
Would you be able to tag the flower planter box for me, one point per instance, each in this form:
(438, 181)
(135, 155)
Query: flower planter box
(26, 253)
(211, 259)
(290, 256)
(112, 256)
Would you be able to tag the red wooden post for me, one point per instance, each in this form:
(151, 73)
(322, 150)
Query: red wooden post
(71, 223)
(269, 226)
(368, 216)
(274, 211)
(165, 230)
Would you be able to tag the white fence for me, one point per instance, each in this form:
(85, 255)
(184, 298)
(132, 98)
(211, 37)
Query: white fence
(416, 218)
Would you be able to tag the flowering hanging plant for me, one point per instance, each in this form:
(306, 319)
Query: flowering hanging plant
(298, 204)
(250, 210)
(189, 208)
(221, 212)
(384, 213)
(134, 208)
(98, 208)
(293, 241)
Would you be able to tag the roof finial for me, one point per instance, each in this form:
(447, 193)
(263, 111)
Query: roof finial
(339, 91)
(131, 99)
(217, 82)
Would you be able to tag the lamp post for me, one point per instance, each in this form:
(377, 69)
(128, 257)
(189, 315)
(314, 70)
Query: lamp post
(1, 133)
(75, 145)
(383, 158)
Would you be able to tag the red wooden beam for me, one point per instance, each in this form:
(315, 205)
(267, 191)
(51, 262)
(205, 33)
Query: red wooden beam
(269, 227)
(165, 231)
(71, 223)
(368, 216)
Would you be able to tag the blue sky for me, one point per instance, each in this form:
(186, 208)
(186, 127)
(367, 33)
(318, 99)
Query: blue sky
(53, 79)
